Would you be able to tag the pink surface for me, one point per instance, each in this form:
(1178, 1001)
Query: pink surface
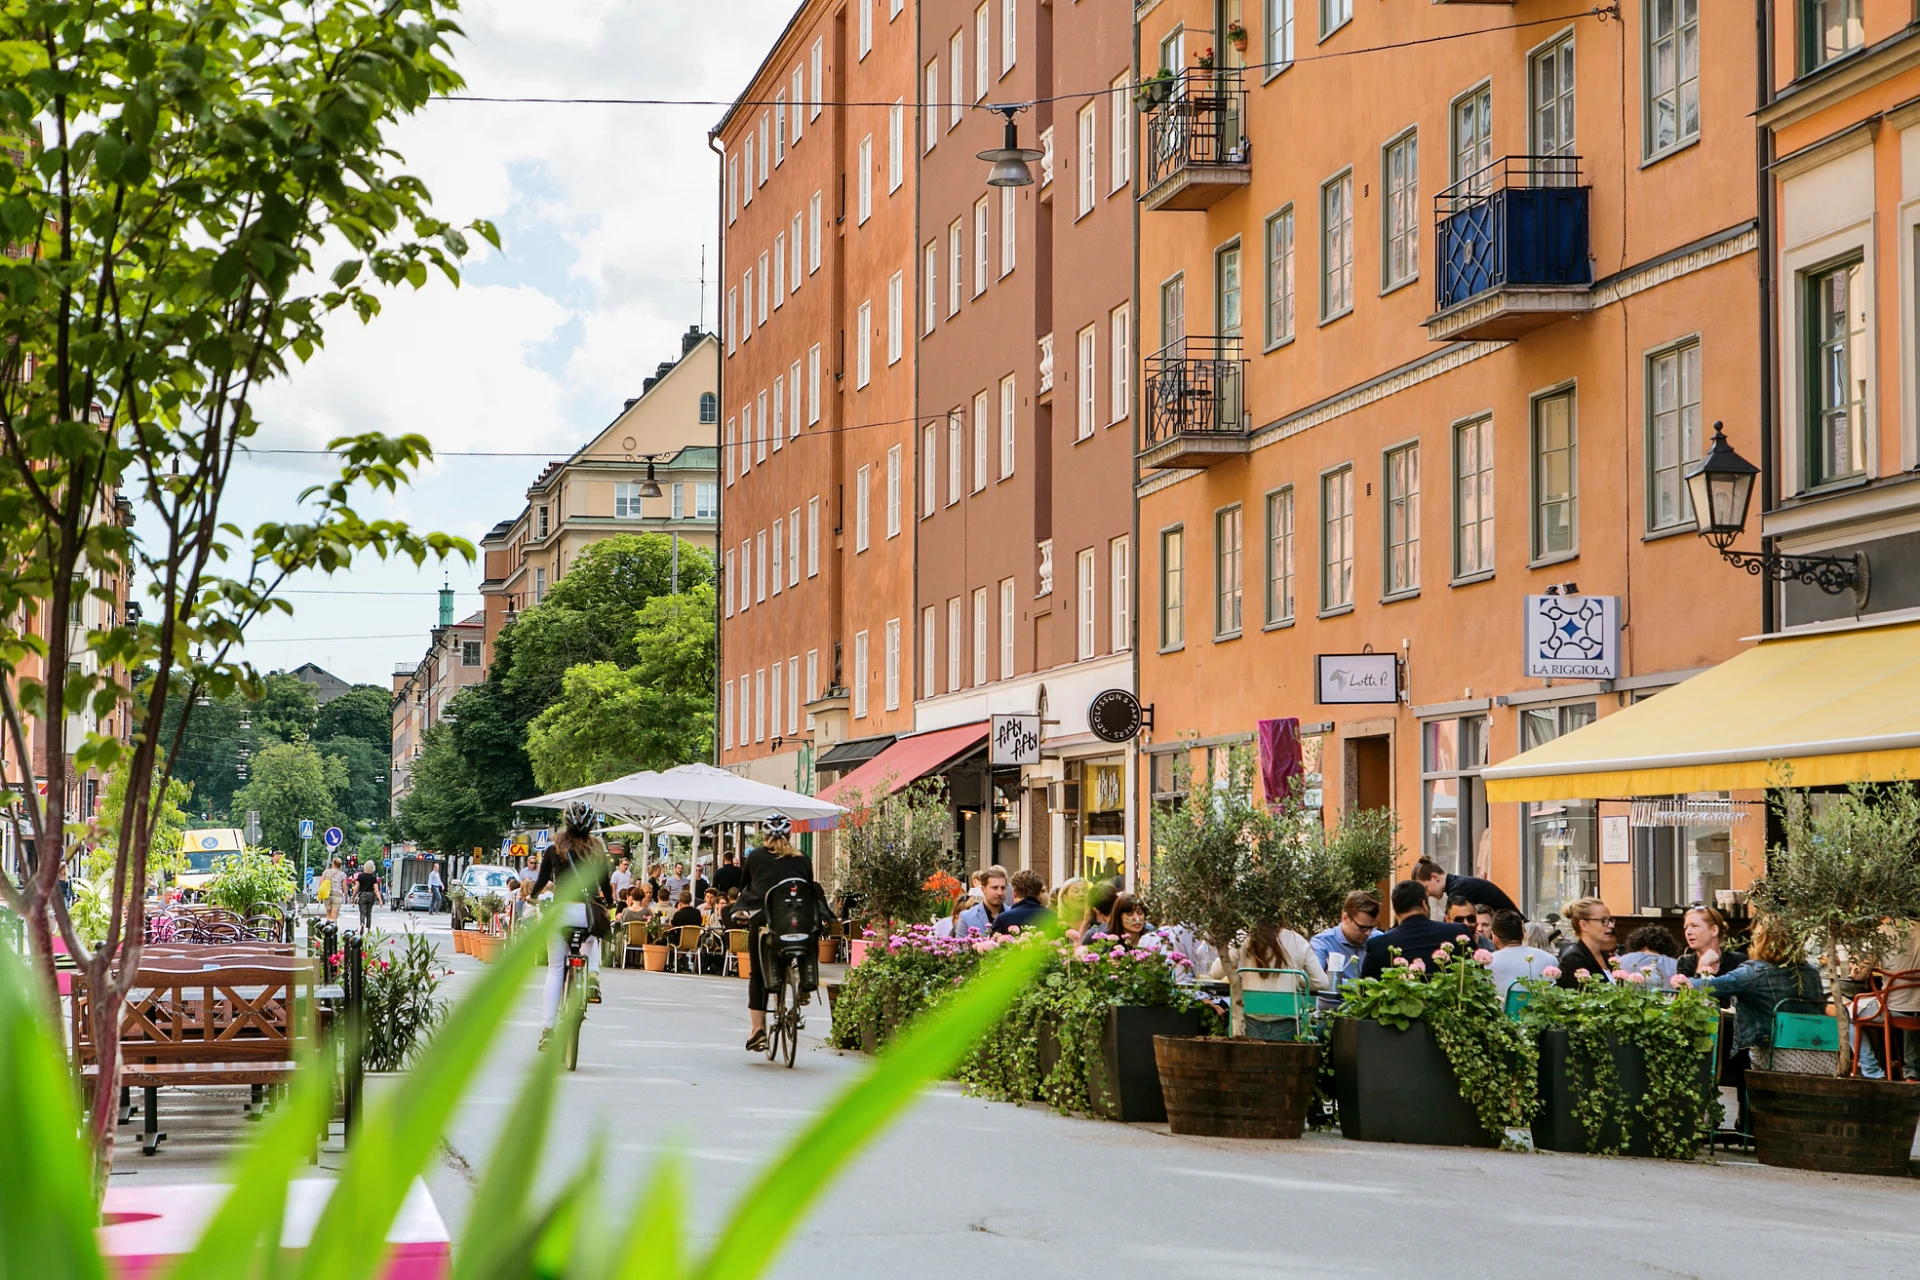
(148, 1227)
(856, 952)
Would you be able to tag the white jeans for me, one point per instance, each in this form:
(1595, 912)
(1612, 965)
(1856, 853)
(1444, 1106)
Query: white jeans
(576, 917)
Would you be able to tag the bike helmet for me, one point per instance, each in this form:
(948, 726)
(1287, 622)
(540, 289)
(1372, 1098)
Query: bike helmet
(777, 827)
(579, 817)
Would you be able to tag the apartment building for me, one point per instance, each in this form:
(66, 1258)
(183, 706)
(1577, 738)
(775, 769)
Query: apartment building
(422, 689)
(1413, 459)
(816, 387)
(653, 469)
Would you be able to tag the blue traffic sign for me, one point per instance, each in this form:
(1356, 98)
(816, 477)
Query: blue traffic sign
(333, 837)
(306, 828)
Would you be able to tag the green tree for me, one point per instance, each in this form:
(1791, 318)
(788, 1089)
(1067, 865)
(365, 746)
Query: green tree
(653, 715)
(362, 772)
(442, 810)
(286, 709)
(291, 781)
(364, 712)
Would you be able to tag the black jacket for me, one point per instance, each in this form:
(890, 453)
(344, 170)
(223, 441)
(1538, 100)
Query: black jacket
(1417, 938)
(1481, 893)
(1027, 913)
(728, 877)
(765, 869)
(599, 892)
(1574, 957)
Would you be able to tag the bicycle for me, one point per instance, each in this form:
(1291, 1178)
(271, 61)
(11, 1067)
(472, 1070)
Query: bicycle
(572, 977)
(789, 934)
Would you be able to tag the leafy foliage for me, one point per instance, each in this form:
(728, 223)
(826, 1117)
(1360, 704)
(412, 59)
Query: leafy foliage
(401, 998)
(1850, 863)
(291, 781)
(891, 845)
(442, 808)
(364, 712)
(243, 879)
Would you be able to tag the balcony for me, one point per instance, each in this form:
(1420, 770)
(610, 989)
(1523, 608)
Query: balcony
(1194, 401)
(1510, 245)
(1197, 154)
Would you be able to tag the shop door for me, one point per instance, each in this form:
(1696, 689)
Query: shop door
(1369, 781)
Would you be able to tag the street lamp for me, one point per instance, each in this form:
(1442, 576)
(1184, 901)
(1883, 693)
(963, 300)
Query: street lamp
(1010, 160)
(1721, 486)
(649, 489)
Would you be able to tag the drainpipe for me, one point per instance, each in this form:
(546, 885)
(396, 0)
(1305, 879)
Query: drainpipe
(1769, 308)
(719, 452)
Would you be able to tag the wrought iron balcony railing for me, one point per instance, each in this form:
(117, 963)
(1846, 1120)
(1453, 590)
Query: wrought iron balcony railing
(1197, 147)
(1520, 222)
(1195, 402)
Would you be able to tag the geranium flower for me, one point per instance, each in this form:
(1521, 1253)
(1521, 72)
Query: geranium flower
(1082, 954)
(1417, 965)
(1484, 956)
(1638, 979)
(1551, 973)
(1581, 975)
(1678, 982)
(1399, 962)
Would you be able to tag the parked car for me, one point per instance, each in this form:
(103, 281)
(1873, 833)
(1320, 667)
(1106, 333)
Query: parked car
(419, 898)
(478, 881)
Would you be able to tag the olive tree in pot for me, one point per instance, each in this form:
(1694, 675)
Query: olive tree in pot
(1227, 865)
(892, 844)
(1848, 876)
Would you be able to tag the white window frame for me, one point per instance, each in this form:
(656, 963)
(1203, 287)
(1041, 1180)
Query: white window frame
(929, 472)
(981, 240)
(1400, 518)
(793, 547)
(1089, 150)
(864, 183)
(730, 581)
(779, 270)
(1336, 539)
(760, 567)
(766, 149)
(930, 289)
(779, 128)
(892, 656)
(953, 644)
(893, 492)
(728, 717)
(813, 537)
(733, 446)
(896, 145)
(799, 96)
(1282, 529)
(1009, 229)
(746, 156)
(1684, 417)
(793, 400)
(863, 345)
(1009, 34)
(1120, 131)
(1400, 211)
(1120, 376)
(957, 251)
(1086, 346)
(1120, 587)
(860, 670)
(813, 233)
(733, 321)
(865, 28)
(979, 636)
(777, 428)
(733, 189)
(957, 77)
(979, 441)
(862, 508)
(760, 439)
(796, 243)
(982, 49)
(746, 574)
(746, 312)
(1278, 36)
(1334, 14)
(813, 384)
(779, 551)
(896, 321)
(930, 107)
(929, 650)
(764, 277)
(815, 64)
(1281, 295)
(1009, 425)
(1336, 246)
(955, 451)
(1654, 95)
(1008, 607)
(1087, 594)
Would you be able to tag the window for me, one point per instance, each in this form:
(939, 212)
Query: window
(813, 679)
(760, 566)
(1006, 628)
(1403, 519)
(813, 537)
(813, 384)
(982, 43)
(1009, 25)
(953, 645)
(746, 312)
(1555, 471)
(732, 449)
(793, 664)
(893, 664)
(793, 400)
(730, 582)
(733, 188)
(1120, 339)
(979, 636)
(1279, 50)
(865, 179)
(1560, 857)
(1473, 498)
(1089, 602)
(980, 240)
(955, 448)
(896, 290)
(469, 653)
(980, 429)
(728, 739)
(866, 26)
(1120, 134)
(896, 144)
(1280, 277)
(860, 508)
(746, 189)
(813, 233)
(930, 287)
(706, 501)
(746, 574)
(929, 474)
(1829, 29)
(746, 437)
(1173, 566)
(932, 104)
(793, 547)
(957, 263)
(1473, 139)
(1401, 210)
(1226, 571)
(1336, 247)
(540, 522)
(1089, 148)
(1120, 589)
(778, 428)
(779, 270)
(1672, 75)
(1227, 292)
(1009, 405)
(1550, 128)
(733, 321)
(813, 102)
(1009, 227)
(626, 502)
(863, 344)
(760, 441)
(779, 555)
(779, 128)
(799, 96)
(1836, 311)
(1673, 434)
(680, 502)
(860, 653)
(1453, 800)
(1336, 539)
(929, 651)
(1280, 556)
(773, 697)
(709, 408)
(893, 492)
(766, 151)
(1334, 14)
(1085, 342)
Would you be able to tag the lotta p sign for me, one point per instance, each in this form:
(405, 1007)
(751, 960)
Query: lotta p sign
(1573, 637)
(1356, 677)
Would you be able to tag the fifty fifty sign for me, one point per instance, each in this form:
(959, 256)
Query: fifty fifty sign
(1016, 740)
(1357, 677)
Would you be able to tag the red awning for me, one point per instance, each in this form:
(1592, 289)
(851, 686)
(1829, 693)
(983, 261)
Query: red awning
(909, 760)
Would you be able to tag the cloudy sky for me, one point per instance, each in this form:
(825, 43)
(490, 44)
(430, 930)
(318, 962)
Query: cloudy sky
(603, 214)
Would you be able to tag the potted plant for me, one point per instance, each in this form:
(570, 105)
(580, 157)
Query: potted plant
(1847, 876)
(655, 951)
(1155, 90)
(1204, 59)
(892, 844)
(1226, 865)
(1237, 35)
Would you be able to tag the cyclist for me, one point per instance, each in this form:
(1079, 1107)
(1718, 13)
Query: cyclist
(575, 846)
(775, 860)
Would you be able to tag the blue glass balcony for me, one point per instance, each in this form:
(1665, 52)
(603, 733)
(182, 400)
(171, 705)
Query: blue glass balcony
(1510, 247)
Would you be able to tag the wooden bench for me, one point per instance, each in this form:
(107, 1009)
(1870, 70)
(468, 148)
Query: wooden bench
(236, 1024)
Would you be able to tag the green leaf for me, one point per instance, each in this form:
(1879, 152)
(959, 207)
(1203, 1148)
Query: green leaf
(658, 1248)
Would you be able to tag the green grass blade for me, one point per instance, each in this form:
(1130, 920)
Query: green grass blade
(245, 1231)
(399, 1133)
(47, 1213)
(770, 1209)
(658, 1249)
(567, 1246)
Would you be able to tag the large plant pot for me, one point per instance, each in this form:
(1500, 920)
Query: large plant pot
(1833, 1124)
(655, 957)
(856, 951)
(1216, 1087)
(459, 942)
(1397, 1086)
(1124, 1084)
(829, 950)
(486, 946)
(1557, 1127)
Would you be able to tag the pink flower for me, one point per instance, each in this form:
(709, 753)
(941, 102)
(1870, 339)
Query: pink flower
(1447, 945)
(1678, 982)
(1638, 979)
(1418, 965)
(1484, 956)
(1400, 962)
(1551, 973)
(1082, 954)
(1581, 975)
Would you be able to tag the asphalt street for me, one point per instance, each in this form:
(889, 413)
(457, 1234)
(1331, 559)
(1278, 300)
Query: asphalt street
(963, 1187)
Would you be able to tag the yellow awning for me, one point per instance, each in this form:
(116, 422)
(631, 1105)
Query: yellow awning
(1836, 706)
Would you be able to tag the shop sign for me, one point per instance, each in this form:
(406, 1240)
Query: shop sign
(1114, 716)
(1108, 787)
(1015, 740)
(1357, 677)
(1573, 637)
(1616, 841)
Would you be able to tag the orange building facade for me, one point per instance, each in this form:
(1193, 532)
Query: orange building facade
(1438, 303)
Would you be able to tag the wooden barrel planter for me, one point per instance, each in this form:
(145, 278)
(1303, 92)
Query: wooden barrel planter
(1217, 1087)
(1833, 1124)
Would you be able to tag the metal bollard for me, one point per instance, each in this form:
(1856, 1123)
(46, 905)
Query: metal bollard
(353, 978)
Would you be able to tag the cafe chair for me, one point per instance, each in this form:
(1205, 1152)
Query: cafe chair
(1517, 998)
(1805, 1040)
(636, 939)
(685, 945)
(1278, 996)
(736, 947)
(1870, 1012)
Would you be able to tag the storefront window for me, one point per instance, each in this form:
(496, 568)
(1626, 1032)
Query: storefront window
(1313, 781)
(1454, 802)
(1561, 838)
(1681, 849)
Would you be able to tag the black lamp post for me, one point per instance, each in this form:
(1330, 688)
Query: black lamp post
(1721, 485)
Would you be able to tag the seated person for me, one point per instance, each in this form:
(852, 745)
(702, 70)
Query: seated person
(686, 913)
(635, 907)
(1269, 946)
(1513, 957)
(1652, 951)
(1417, 935)
(1029, 910)
(1464, 913)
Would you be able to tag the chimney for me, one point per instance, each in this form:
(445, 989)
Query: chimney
(690, 339)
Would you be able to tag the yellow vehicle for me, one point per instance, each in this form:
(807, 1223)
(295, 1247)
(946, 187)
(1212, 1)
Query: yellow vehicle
(201, 851)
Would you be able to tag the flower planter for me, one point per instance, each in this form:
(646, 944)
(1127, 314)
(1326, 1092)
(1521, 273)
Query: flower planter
(829, 950)
(459, 942)
(486, 946)
(1397, 1086)
(1557, 1127)
(655, 957)
(1833, 1124)
(1216, 1087)
(1154, 93)
(1124, 1084)
(743, 961)
(856, 951)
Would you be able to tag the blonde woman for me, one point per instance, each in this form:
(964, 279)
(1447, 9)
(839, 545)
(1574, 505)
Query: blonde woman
(1590, 951)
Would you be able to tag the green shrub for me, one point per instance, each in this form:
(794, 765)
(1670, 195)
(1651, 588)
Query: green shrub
(243, 879)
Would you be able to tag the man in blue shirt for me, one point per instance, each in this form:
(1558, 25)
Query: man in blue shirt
(1341, 949)
(993, 898)
(1027, 911)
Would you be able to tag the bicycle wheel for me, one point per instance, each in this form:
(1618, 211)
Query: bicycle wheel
(777, 1021)
(573, 1019)
(790, 1002)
